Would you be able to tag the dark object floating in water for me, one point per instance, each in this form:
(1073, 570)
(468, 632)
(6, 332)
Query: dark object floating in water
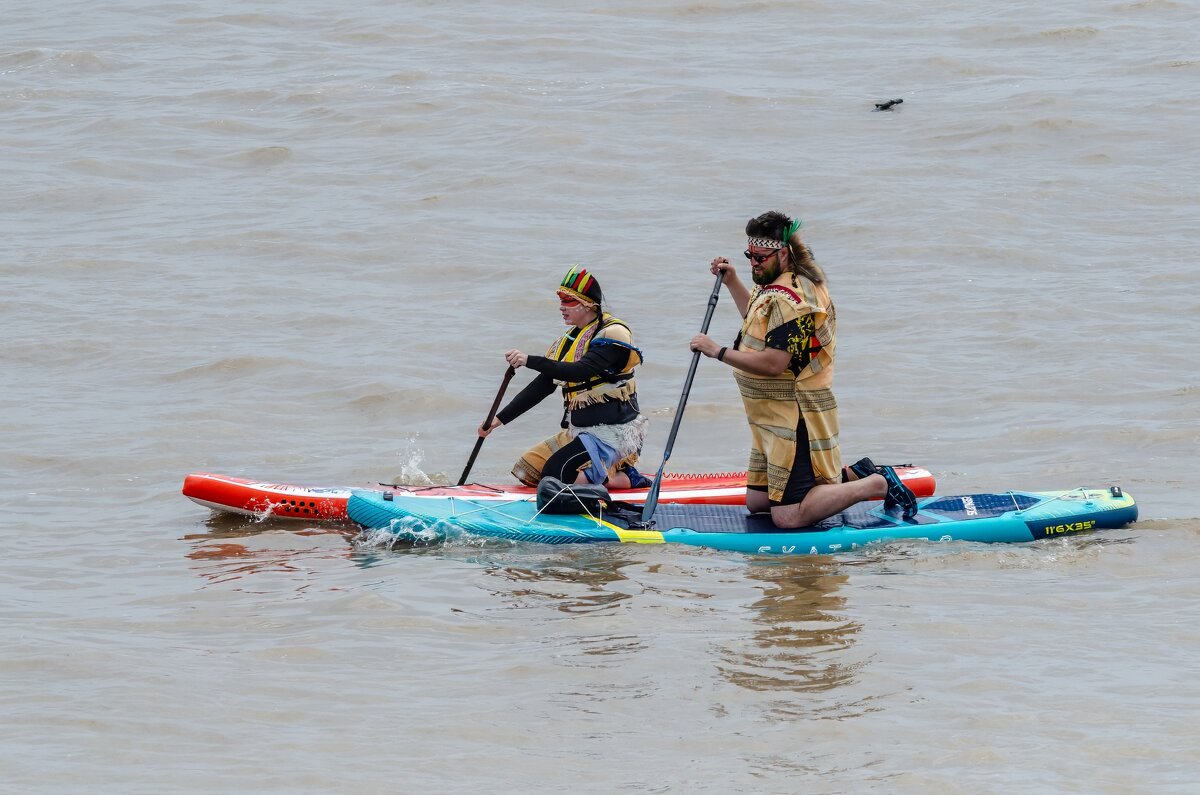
(887, 105)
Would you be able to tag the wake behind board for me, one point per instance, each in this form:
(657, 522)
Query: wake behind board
(279, 500)
(1007, 517)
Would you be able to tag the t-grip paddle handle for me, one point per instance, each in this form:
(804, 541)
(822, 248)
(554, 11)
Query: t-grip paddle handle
(508, 374)
(652, 495)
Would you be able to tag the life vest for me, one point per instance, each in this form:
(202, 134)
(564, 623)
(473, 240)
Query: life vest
(611, 385)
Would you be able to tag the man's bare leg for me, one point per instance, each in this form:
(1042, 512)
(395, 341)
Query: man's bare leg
(824, 501)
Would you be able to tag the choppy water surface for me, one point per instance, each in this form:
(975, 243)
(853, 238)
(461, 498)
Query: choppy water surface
(290, 241)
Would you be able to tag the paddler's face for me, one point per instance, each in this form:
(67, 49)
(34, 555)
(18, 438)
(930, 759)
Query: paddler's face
(766, 264)
(575, 313)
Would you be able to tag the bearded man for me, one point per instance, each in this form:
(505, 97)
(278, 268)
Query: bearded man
(782, 361)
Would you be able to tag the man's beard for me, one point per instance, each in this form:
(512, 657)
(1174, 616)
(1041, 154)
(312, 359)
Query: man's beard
(765, 275)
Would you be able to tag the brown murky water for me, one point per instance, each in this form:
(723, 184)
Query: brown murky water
(291, 242)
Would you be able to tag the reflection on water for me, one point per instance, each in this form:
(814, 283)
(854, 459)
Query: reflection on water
(583, 601)
(790, 638)
(219, 559)
(568, 583)
(800, 643)
(230, 525)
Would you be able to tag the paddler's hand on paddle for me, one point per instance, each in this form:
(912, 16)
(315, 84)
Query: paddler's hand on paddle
(483, 432)
(516, 359)
(721, 265)
(705, 344)
(733, 283)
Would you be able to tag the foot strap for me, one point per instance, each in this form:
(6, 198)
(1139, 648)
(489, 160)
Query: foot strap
(898, 494)
(864, 467)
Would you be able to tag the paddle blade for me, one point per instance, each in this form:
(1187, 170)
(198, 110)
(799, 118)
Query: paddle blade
(652, 496)
(471, 461)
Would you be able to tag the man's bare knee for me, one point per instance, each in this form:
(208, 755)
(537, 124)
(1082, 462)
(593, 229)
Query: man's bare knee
(757, 501)
(790, 516)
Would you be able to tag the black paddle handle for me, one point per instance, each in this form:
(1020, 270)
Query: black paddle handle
(652, 495)
(508, 374)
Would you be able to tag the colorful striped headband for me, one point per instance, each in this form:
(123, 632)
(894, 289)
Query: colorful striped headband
(581, 286)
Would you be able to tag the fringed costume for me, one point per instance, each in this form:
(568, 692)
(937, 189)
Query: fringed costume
(594, 367)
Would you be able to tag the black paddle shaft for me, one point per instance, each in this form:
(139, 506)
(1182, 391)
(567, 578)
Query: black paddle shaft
(652, 495)
(508, 374)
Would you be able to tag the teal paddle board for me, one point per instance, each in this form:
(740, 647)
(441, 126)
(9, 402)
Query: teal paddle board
(1002, 517)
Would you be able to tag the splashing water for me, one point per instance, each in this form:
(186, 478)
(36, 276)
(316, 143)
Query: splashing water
(404, 532)
(411, 457)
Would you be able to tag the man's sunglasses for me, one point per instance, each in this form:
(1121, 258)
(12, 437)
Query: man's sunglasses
(758, 259)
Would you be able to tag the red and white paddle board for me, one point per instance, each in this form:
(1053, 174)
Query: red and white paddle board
(261, 499)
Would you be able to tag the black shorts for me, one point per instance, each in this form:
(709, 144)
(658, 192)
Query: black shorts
(566, 462)
(802, 480)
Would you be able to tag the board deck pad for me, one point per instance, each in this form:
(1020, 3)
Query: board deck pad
(735, 519)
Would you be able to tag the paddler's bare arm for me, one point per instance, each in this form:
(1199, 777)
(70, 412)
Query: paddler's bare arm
(770, 361)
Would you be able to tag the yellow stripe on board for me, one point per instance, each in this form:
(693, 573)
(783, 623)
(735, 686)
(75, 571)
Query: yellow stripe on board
(638, 536)
(632, 536)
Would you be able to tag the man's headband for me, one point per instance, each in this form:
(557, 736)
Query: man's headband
(766, 242)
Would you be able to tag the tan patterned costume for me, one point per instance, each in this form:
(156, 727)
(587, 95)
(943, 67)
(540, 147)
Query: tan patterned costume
(774, 404)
